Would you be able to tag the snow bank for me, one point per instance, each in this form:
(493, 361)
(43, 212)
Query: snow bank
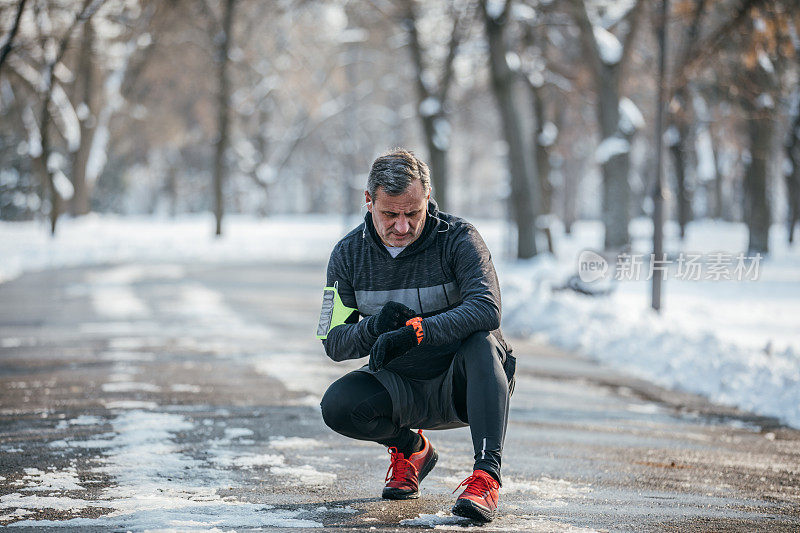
(735, 342)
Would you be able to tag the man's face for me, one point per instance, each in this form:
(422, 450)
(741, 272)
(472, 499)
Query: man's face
(399, 219)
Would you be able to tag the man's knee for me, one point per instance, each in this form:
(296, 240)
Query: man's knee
(335, 411)
(477, 346)
(480, 353)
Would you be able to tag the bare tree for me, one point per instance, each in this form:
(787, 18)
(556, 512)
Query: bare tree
(48, 83)
(608, 59)
(432, 106)
(223, 40)
(4, 51)
(524, 183)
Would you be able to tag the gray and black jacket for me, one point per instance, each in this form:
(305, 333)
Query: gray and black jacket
(446, 275)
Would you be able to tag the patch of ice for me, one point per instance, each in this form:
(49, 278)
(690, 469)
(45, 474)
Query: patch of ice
(82, 420)
(130, 386)
(51, 480)
(130, 404)
(293, 443)
(318, 371)
(438, 519)
(305, 475)
(183, 387)
(235, 433)
(250, 461)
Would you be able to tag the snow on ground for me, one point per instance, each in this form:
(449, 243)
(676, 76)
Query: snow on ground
(163, 486)
(98, 239)
(736, 342)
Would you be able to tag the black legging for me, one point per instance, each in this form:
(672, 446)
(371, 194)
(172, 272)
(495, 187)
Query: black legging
(358, 406)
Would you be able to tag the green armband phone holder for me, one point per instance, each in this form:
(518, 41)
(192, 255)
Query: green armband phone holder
(334, 312)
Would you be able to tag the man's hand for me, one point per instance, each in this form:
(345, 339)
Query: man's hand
(392, 316)
(390, 345)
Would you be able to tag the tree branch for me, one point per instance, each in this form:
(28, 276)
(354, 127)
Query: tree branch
(455, 41)
(7, 46)
(703, 50)
(586, 31)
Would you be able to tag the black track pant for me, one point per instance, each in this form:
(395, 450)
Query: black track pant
(358, 406)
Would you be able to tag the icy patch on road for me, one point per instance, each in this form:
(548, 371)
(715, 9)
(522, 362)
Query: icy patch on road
(504, 522)
(82, 420)
(130, 386)
(125, 356)
(435, 520)
(49, 480)
(156, 484)
(265, 459)
(545, 487)
(235, 433)
(183, 387)
(318, 372)
(305, 475)
(130, 404)
(294, 443)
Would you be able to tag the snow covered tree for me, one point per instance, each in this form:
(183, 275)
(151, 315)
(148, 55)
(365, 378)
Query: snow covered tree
(618, 118)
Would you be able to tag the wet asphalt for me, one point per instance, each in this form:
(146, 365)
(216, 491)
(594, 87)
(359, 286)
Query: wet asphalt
(228, 351)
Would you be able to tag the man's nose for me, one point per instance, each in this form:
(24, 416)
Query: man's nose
(401, 225)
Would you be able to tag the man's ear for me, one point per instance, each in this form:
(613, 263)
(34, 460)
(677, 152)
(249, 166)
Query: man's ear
(369, 201)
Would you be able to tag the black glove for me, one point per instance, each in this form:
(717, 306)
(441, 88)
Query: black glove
(390, 345)
(392, 316)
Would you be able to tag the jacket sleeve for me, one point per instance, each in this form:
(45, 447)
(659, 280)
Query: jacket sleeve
(479, 309)
(352, 339)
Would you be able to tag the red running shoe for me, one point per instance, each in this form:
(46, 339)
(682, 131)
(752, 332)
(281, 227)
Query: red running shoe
(479, 500)
(406, 474)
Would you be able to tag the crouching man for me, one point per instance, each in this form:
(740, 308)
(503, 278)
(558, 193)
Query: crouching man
(427, 290)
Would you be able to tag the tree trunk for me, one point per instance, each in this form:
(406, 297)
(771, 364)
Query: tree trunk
(437, 161)
(524, 201)
(616, 189)
(542, 150)
(223, 98)
(79, 204)
(793, 177)
(431, 103)
(607, 77)
(760, 129)
(679, 150)
(718, 194)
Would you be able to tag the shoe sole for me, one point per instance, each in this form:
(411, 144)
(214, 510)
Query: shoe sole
(400, 494)
(469, 509)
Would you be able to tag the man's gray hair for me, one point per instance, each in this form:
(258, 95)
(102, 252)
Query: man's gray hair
(395, 170)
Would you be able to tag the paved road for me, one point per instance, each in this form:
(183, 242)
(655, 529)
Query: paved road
(186, 397)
